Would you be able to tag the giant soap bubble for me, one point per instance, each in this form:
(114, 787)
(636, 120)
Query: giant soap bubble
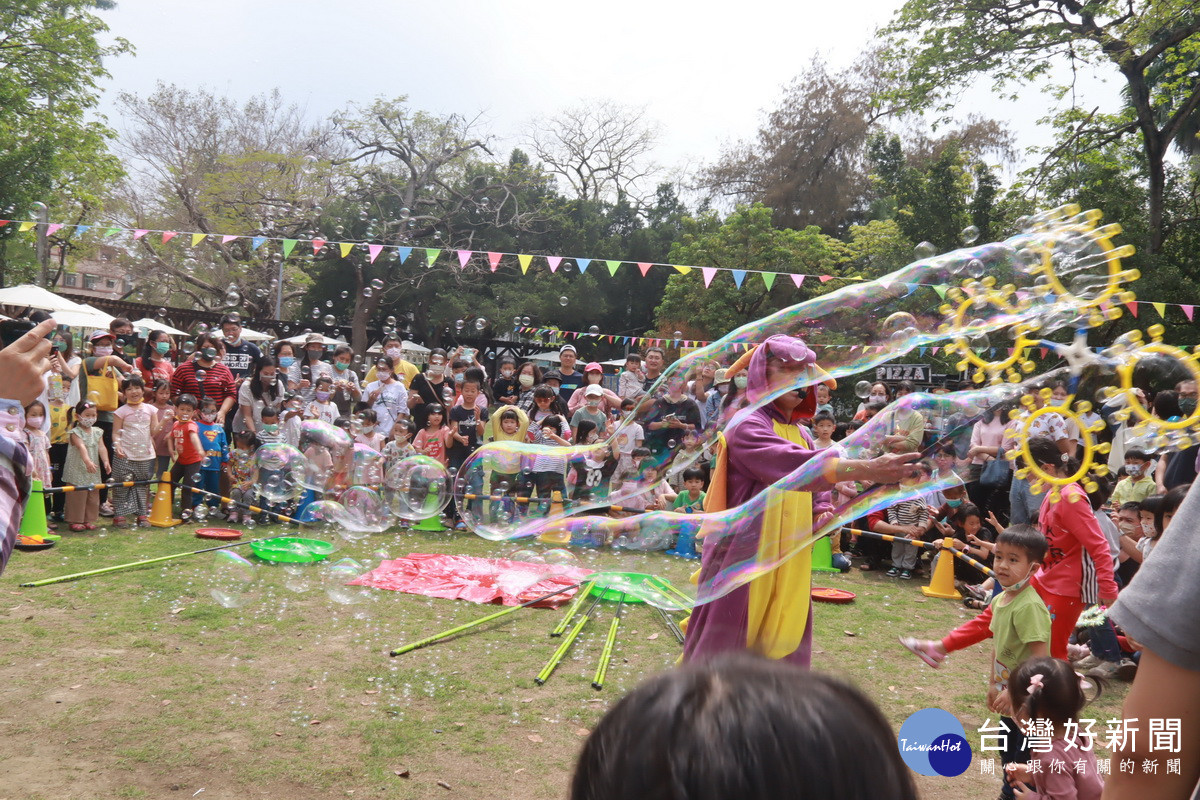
(417, 488)
(281, 470)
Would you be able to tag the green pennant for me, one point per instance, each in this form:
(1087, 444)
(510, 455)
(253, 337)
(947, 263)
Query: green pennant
(431, 255)
(940, 288)
(768, 279)
(613, 266)
(288, 244)
(113, 231)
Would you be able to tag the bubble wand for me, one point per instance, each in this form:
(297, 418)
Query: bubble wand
(606, 653)
(569, 640)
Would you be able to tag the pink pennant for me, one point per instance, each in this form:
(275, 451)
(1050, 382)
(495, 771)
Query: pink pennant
(317, 245)
(494, 260)
(1044, 351)
(1132, 306)
(644, 267)
(168, 236)
(463, 257)
(373, 251)
(227, 239)
(798, 280)
(1187, 311)
(825, 278)
(139, 233)
(935, 350)
(553, 261)
(709, 273)
(52, 229)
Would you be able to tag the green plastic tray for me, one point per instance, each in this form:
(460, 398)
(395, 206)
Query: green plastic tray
(292, 550)
(637, 586)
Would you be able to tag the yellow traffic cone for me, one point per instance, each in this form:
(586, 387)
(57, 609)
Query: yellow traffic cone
(942, 582)
(160, 512)
(33, 522)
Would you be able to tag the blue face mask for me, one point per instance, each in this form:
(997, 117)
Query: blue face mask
(286, 361)
(954, 503)
(162, 347)
(270, 427)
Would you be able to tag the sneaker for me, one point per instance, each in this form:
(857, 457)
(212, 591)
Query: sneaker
(1105, 670)
(893, 572)
(1127, 669)
(143, 521)
(923, 650)
(233, 518)
(1089, 662)
(106, 509)
(906, 574)
(1077, 652)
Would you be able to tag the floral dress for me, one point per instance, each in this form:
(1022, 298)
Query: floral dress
(74, 472)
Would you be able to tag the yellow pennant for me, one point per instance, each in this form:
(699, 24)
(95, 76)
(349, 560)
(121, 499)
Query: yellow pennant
(524, 261)
(26, 226)
(197, 238)
(345, 247)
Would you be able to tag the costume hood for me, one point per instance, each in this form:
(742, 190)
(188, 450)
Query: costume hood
(788, 348)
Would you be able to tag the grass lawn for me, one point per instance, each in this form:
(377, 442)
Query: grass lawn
(137, 684)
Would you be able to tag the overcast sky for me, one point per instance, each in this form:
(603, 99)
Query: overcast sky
(704, 75)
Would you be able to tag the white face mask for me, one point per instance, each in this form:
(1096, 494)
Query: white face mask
(1133, 471)
(102, 351)
(87, 421)
(367, 428)
(525, 380)
(877, 398)
(740, 381)
(393, 352)
(593, 402)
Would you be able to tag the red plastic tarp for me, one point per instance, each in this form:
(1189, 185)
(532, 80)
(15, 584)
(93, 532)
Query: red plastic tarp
(480, 580)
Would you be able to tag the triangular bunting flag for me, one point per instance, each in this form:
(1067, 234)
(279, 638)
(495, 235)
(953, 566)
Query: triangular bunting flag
(825, 278)
(227, 239)
(554, 261)
(288, 245)
(373, 251)
(644, 267)
(197, 238)
(681, 269)
(612, 266)
(139, 233)
(921, 351)
(24, 226)
(431, 255)
(1188, 311)
(1132, 306)
(110, 232)
(935, 350)
(80, 230)
(768, 278)
(1161, 308)
(494, 260)
(317, 245)
(1044, 351)
(912, 287)
(524, 261)
(709, 273)
(404, 253)
(940, 288)
(53, 229)
(582, 263)
(168, 236)
(463, 257)
(739, 276)
(4, 222)
(257, 242)
(798, 280)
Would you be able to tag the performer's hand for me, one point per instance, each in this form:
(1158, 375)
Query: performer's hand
(890, 468)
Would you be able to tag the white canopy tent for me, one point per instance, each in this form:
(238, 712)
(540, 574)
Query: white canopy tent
(549, 357)
(255, 336)
(299, 339)
(29, 296)
(147, 325)
(83, 317)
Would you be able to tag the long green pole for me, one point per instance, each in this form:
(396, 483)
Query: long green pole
(567, 641)
(606, 653)
(572, 610)
(468, 626)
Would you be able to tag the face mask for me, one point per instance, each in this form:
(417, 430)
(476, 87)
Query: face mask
(954, 503)
(592, 439)
(1133, 471)
(322, 397)
(1127, 528)
(459, 378)
(208, 416)
(341, 366)
(208, 353)
(162, 347)
(366, 429)
(102, 351)
(233, 338)
(525, 380)
(34, 422)
(740, 381)
(436, 369)
(86, 422)
(267, 379)
(593, 402)
(271, 427)
(1021, 584)
(506, 373)
(383, 376)
(1187, 405)
(62, 348)
(286, 361)
(877, 398)
(313, 355)
(393, 352)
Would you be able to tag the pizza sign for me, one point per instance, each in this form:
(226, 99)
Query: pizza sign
(917, 373)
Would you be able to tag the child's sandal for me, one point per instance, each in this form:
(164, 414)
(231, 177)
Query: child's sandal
(77, 528)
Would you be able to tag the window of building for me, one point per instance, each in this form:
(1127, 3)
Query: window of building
(69, 279)
(110, 284)
(89, 281)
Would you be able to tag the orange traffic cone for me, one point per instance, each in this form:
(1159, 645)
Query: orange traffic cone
(941, 584)
(160, 512)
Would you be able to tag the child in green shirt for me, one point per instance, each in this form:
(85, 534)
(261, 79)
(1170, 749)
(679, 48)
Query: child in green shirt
(691, 499)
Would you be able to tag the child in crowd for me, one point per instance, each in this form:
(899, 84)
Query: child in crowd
(270, 483)
(432, 440)
(60, 443)
(823, 428)
(241, 475)
(629, 385)
(1020, 627)
(551, 430)
(368, 430)
(187, 451)
(318, 471)
(38, 445)
(400, 446)
(270, 431)
(1137, 484)
(592, 471)
(293, 420)
(216, 454)
(1047, 691)
(691, 454)
(322, 407)
(649, 492)
(135, 425)
(509, 424)
(630, 436)
(915, 517)
(166, 421)
(86, 464)
(691, 499)
(386, 396)
(592, 409)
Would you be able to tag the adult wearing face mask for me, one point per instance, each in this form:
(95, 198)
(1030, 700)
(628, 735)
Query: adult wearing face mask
(879, 394)
(263, 388)
(303, 374)
(1181, 466)
(712, 404)
(403, 370)
(153, 362)
(429, 387)
(204, 375)
(346, 389)
(529, 377)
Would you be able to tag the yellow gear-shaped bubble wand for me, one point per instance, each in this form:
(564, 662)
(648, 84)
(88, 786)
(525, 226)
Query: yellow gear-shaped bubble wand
(1041, 478)
(1147, 423)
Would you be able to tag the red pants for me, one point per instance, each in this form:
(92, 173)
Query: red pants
(1064, 613)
